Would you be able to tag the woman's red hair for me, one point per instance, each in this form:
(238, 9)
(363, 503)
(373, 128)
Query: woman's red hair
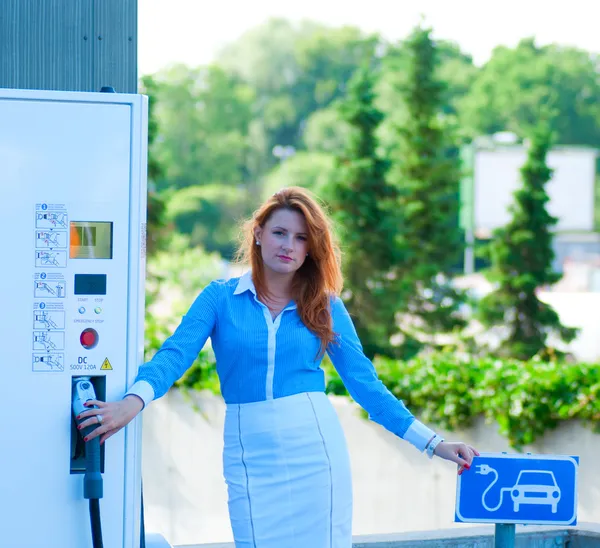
(319, 278)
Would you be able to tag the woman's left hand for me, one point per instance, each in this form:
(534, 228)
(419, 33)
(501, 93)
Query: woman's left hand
(460, 453)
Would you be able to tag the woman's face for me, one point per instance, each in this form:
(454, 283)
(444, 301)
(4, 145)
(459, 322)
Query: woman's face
(283, 241)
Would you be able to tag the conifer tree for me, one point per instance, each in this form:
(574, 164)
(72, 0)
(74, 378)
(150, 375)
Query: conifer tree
(364, 207)
(426, 171)
(521, 256)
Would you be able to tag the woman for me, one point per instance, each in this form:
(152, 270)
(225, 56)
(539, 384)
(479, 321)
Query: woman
(285, 459)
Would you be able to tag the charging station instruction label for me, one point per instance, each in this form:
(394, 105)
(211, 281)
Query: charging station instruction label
(48, 334)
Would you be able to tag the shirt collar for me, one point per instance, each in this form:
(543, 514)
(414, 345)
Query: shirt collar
(245, 283)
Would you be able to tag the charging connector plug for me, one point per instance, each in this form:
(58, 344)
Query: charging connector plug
(83, 391)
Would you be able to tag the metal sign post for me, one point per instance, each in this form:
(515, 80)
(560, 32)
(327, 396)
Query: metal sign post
(504, 536)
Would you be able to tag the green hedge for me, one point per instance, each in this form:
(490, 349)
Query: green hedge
(526, 399)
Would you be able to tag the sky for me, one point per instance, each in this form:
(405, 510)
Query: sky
(193, 31)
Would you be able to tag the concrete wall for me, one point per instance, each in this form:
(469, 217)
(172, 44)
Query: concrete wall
(396, 489)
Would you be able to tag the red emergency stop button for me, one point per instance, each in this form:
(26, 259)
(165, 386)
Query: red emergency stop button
(88, 338)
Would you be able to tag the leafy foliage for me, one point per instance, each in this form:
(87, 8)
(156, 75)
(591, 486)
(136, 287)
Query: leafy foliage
(209, 215)
(295, 69)
(525, 398)
(509, 89)
(204, 118)
(326, 131)
(311, 170)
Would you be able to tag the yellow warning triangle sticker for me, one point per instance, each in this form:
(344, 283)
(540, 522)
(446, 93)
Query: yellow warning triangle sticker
(106, 365)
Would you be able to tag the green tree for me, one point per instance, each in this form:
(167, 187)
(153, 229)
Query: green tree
(456, 70)
(426, 171)
(325, 131)
(311, 170)
(509, 89)
(294, 69)
(201, 124)
(453, 69)
(328, 58)
(362, 202)
(521, 256)
(209, 215)
(204, 117)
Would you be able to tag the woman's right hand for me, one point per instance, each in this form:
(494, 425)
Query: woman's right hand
(112, 416)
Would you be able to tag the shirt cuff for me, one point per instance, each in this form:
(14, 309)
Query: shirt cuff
(419, 435)
(143, 390)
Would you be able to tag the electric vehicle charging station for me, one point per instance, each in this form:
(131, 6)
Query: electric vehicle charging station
(73, 193)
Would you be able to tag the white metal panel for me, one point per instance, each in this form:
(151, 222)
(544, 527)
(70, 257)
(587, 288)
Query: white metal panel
(571, 189)
(77, 157)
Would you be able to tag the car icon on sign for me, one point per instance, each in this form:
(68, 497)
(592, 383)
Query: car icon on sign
(535, 487)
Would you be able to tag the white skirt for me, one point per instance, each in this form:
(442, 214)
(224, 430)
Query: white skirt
(287, 470)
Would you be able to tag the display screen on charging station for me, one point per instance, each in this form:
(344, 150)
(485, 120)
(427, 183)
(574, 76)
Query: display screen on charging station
(90, 284)
(91, 240)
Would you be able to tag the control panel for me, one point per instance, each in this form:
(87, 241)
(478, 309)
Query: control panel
(76, 287)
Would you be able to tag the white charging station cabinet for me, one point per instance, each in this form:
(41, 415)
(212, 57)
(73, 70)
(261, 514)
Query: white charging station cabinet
(73, 194)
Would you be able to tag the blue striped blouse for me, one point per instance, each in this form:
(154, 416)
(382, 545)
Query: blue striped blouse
(259, 358)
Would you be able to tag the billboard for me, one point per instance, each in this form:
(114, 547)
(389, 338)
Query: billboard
(488, 190)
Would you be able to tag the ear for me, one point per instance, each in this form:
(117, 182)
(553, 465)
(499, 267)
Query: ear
(257, 233)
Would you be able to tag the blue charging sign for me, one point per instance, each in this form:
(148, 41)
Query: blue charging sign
(524, 489)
